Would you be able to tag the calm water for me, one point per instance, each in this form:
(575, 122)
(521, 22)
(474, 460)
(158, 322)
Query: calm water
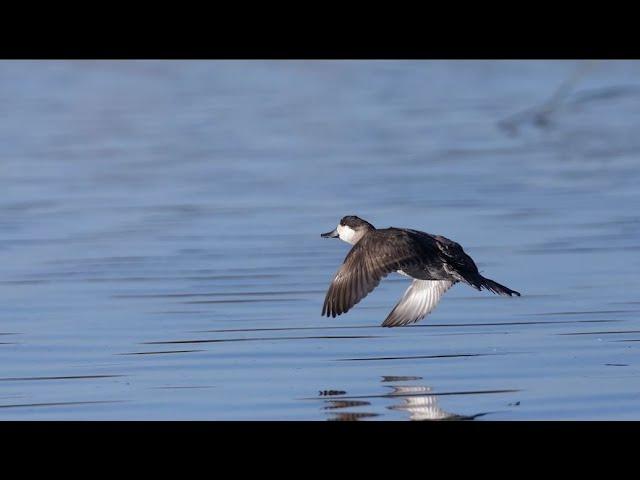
(160, 255)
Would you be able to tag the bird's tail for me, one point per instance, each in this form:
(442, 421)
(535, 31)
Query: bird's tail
(495, 287)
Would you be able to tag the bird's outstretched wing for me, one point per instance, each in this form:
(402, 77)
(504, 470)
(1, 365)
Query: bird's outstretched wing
(376, 255)
(420, 299)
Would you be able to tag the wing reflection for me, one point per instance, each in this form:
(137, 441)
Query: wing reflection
(421, 406)
(332, 405)
(416, 400)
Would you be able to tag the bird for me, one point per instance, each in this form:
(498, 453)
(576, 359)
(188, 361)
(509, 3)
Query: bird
(435, 263)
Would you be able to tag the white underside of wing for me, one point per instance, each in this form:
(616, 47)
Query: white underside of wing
(420, 406)
(419, 300)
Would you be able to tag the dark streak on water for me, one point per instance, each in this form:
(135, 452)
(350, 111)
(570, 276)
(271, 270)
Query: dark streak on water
(60, 404)
(218, 294)
(458, 355)
(585, 312)
(160, 352)
(198, 387)
(225, 340)
(435, 394)
(410, 326)
(262, 300)
(612, 332)
(69, 377)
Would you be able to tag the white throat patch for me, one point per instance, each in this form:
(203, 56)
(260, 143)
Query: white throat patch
(347, 234)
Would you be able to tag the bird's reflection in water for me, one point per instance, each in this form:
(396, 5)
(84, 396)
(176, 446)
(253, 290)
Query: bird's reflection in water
(350, 416)
(415, 400)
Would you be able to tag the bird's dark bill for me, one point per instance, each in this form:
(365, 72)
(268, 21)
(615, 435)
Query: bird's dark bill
(331, 234)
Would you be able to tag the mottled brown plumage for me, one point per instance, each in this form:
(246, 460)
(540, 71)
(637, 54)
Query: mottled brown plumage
(434, 262)
(368, 262)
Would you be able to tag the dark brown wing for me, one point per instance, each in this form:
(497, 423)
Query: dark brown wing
(377, 254)
(457, 261)
(461, 267)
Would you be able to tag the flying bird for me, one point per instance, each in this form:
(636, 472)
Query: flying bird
(434, 262)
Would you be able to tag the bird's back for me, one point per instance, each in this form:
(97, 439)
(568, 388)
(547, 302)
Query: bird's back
(437, 256)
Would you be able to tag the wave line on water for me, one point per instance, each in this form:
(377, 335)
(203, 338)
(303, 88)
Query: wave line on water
(216, 294)
(426, 394)
(432, 325)
(411, 357)
(222, 340)
(159, 352)
(586, 312)
(60, 404)
(68, 377)
(610, 332)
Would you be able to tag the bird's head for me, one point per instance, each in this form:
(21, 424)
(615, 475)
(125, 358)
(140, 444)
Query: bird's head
(350, 229)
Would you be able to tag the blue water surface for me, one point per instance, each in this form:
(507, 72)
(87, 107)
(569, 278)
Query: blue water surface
(161, 259)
